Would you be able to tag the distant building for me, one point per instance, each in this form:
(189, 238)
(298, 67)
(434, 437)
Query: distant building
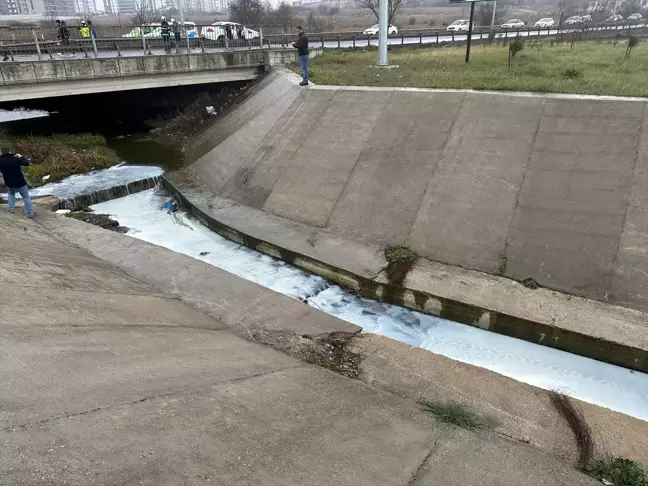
(22, 7)
(86, 7)
(59, 8)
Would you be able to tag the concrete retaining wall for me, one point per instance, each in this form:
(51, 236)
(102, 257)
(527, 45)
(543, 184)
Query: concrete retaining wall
(552, 188)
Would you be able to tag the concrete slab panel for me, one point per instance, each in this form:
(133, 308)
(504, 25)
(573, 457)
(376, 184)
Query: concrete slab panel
(309, 188)
(130, 66)
(49, 70)
(579, 190)
(178, 63)
(156, 64)
(630, 281)
(623, 145)
(468, 206)
(235, 137)
(603, 126)
(106, 67)
(589, 108)
(255, 179)
(384, 191)
(492, 459)
(576, 263)
(79, 68)
(605, 162)
(17, 72)
(297, 426)
(98, 366)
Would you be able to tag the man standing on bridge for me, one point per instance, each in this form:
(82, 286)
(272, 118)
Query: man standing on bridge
(302, 50)
(15, 180)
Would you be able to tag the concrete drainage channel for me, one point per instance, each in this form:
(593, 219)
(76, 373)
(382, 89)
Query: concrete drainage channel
(592, 381)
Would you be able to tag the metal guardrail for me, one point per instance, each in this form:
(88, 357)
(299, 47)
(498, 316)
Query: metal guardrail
(20, 44)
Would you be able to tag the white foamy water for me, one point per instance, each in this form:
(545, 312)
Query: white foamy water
(95, 181)
(9, 116)
(600, 383)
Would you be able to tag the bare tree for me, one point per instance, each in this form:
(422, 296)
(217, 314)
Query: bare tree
(144, 12)
(393, 7)
(282, 15)
(247, 12)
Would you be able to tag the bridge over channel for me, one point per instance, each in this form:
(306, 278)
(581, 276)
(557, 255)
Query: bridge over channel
(76, 76)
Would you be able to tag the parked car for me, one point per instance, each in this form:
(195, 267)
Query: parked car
(154, 31)
(513, 24)
(459, 26)
(574, 20)
(374, 29)
(635, 17)
(218, 31)
(615, 18)
(546, 22)
(586, 19)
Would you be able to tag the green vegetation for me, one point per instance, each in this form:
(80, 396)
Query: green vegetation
(454, 413)
(590, 68)
(399, 261)
(60, 156)
(620, 471)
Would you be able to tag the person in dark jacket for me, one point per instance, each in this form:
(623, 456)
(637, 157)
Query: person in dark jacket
(15, 181)
(302, 50)
(166, 34)
(62, 32)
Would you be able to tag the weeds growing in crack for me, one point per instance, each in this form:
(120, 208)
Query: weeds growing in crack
(454, 413)
(618, 471)
(399, 261)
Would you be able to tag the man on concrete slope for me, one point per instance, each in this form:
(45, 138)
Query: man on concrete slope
(15, 180)
(302, 50)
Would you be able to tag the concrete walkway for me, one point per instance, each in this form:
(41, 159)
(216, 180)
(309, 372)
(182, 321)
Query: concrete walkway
(106, 380)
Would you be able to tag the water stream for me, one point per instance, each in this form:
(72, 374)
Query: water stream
(593, 381)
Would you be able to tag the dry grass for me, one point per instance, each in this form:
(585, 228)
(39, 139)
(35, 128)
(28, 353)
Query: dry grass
(61, 156)
(590, 68)
(576, 421)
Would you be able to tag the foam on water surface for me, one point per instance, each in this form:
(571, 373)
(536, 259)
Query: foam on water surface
(78, 185)
(589, 380)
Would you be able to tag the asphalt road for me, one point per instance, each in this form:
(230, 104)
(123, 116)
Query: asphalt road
(315, 40)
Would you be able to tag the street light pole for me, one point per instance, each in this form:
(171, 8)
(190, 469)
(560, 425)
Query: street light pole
(470, 30)
(383, 29)
(493, 19)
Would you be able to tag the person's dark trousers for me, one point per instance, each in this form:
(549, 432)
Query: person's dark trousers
(303, 60)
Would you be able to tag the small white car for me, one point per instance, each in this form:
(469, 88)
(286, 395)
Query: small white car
(459, 26)
(546, 22)
(374, 29)
(574, 20)
(233, 30)
(513, 24)
(634, 17)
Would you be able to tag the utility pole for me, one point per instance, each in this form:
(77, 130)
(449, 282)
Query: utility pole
(493, 19)
(470, 30)
(383, 29)
(181, 15)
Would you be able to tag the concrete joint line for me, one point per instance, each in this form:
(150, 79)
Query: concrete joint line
(417, 473)
(11, 428)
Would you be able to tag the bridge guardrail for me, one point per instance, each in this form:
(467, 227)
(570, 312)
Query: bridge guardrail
(20, 44)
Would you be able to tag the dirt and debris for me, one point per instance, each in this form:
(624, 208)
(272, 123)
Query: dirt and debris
(102, 220)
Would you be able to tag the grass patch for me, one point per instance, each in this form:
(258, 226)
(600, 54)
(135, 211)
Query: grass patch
(454, 413)
(400, 260)
(61, 156)
(590, 68)
(619, 471)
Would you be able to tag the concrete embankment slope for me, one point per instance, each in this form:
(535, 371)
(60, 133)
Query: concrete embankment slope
(548, 187)
(107, 380)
